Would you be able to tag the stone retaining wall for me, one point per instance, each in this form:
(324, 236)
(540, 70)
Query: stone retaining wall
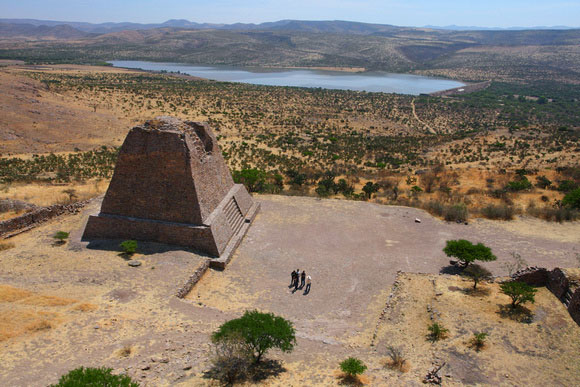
(33, 218)
(558, 282)
(193, 279)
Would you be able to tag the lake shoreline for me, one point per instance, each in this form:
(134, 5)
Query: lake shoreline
(330, 78)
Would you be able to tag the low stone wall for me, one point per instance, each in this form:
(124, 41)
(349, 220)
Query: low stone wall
(535, 276)
(574, 306)
(35, 217)
(193, 279)
(558, 282)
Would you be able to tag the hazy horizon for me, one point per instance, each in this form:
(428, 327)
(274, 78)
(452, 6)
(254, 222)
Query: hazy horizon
(416, 13)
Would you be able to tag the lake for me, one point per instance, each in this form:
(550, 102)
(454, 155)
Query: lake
(368, 81)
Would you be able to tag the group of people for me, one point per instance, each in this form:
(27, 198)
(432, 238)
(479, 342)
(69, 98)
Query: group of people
(299, 280)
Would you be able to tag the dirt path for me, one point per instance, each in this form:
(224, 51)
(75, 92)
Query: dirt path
(421, 122)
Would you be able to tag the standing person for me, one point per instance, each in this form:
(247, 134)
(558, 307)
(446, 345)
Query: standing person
(297, 279)
(308, 282)
(292, 278)
(302, 279)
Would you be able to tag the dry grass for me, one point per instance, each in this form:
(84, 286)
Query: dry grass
(125, 351)
(43, 194)
(23, 312)
(85, 307)
(22, 321)
(6, 245)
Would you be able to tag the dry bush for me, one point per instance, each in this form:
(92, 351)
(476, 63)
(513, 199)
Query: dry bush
(6, 246)
(503, 212)
(561, 214)
(85, 307)
(41, 325)
(125, 351)
(396, 360)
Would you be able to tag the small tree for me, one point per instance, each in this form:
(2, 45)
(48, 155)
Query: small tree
(129, 247)
(519, 292)
(477, 274)
(467, 252)
(353, 367)
(260, 331)
(60, 237)
(370, 188)
(94, 377)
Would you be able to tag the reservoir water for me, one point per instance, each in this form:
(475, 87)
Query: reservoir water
(367, 81)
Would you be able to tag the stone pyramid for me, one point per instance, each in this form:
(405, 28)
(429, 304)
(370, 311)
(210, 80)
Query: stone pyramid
(172, 185)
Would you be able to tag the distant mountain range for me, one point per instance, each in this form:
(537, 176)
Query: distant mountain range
(330, 26)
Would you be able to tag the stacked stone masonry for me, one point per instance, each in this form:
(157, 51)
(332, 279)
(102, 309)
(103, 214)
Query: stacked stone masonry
(172, 185)
(561, 282)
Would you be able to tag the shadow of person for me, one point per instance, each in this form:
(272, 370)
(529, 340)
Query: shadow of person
(307, 290)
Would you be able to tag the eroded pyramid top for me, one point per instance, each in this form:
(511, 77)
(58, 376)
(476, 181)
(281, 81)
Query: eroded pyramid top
(169, 170)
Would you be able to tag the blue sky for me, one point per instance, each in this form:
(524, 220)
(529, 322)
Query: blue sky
(486, 13)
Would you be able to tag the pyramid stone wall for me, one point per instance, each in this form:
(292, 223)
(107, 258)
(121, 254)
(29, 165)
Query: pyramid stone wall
(172, 185)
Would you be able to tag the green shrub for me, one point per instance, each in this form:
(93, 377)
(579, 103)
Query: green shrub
(94, 377)
(353, 366)
(478, 340)
(437, 332)
(61, 236)
(370, 188)
(543, 182)
(567, 186)
(254, 179)
(519, 185)
(572, 199)
(260, 331)
(129, 247)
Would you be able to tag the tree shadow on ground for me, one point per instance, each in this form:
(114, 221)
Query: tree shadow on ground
(349, 380)
(254, 373)
(519, 313)
(451, 269)
(478, 292)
